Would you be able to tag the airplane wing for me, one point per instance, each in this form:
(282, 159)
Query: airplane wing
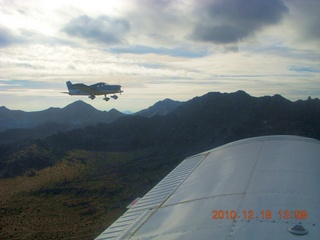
(257, 188)
(86, 89)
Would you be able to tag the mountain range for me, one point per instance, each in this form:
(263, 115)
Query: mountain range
(204, 122)
(17, 124)
(77, 114)
(160, 108)
(196, 125)
(74, 183)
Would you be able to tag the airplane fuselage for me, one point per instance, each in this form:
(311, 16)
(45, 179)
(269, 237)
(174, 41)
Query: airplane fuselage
(95, 89)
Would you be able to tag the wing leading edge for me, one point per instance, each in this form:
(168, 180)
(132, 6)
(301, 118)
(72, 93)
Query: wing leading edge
(258, 188)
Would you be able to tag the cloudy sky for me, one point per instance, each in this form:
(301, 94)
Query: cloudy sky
(157, 49)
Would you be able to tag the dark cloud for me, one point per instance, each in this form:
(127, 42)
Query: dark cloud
(306, 18)
(102, 29)
(163, 22)
(230, 21)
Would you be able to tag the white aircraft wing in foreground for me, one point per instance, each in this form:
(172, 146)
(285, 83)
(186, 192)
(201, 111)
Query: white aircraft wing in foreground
(258, 188)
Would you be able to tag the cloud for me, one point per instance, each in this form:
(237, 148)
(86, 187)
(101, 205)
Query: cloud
(305, 18)
(159, 23)
(102, 29)
(183, 47)
(7, 37)
(230, 21)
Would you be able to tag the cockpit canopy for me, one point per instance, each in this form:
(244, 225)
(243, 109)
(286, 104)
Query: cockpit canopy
(99, 85)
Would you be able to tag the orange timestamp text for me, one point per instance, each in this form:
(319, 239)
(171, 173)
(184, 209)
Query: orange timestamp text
(263, 214)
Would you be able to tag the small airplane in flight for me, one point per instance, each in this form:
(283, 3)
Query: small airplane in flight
(91, 91)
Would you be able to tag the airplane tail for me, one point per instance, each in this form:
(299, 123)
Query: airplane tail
(70, 87)
(69, 84)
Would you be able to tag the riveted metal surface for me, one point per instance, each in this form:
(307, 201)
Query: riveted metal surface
(250, 177)
(153, 199)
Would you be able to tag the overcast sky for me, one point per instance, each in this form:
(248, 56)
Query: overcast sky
(157, 49)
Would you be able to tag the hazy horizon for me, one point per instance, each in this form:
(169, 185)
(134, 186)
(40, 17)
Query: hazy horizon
(89, 102)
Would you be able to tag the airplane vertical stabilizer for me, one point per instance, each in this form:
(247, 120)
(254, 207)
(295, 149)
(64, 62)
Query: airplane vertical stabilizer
(69, 86)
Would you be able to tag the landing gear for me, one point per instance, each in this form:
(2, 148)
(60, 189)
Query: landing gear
(114, 97)
(107, 98)
(92, 97)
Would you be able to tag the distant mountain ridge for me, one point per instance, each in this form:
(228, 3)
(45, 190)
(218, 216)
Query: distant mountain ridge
(196, 125)
(160, 108)
(202, 123)
(77, 114)
(18, 125)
